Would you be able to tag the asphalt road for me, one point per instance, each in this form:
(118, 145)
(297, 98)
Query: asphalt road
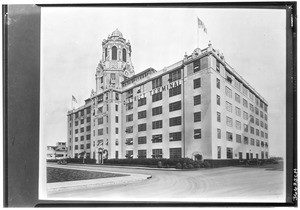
(232, 184)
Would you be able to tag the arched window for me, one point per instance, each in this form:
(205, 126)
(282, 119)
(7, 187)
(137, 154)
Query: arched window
(114, 53)
(105, 53)
(124, 55)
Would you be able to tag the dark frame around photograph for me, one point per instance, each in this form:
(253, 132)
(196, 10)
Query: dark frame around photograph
(21, 110)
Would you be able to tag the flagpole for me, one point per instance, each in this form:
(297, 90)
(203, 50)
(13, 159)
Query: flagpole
(72, 104)
(197, 34)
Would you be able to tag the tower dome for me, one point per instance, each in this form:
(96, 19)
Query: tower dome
(117, 33)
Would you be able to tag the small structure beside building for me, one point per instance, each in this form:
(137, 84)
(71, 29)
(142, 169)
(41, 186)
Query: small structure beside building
(59, 151)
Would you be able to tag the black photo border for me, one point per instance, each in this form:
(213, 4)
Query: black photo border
(21, 26)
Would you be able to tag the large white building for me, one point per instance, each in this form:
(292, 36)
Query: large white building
(198, 107)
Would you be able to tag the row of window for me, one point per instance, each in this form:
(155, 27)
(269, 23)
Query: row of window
(88, 128)
(240, 87)
(228, 92)
(175, 153)
(229, 154)
(229, 137)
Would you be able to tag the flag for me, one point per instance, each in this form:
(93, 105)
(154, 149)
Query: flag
(74, 99)
(201, 25)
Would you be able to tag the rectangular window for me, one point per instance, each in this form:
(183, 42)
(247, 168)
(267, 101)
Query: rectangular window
(81, 121)
(228, 106)
(117, 107)
(142, 140)
(197, 100)
(256, 111)
(157, 97)
(81, 130)
(117, 130)
(245, 91)
(257, 132)
(262, 134)
(251, 107)
(142, 153)
(218, 65)
(81, 138)
(129, 93)
(88, 128)
(218, 100)
(251, 130)
(257, 121)
(175, 153)
(129, 129)
(129, 118)
(218, 133)
(82, 146)
(76, 130)
(218, 83)
(251, 119)
(218, 117)
(175, 91)
(261, 124)
(156, 110)
(88, 146)
(157, 153)
(100, 132)
(261, 114)
(175, 75)
(157, 124)
(196, 65)
(252, 141)
(219, 151)
(246, 140)
(76, 139)
(266, 117)
(266, 126)
(229, 121)
(117, 119)
(197, 133)
(157, 138)
(142, 114)
(238, 138)
(257, 143)
(157, 83)
(245, 115)
(117, 96)
(229, 152)
(76, 123)
(245, 103)
(228, 92)
(129, 141)
(100, 120)
(197, 83)
(174, 106)
(76, 147)
(176, 136)
(237, 111)
(175, 121)
(229, 136)
(237, 98)
(238, 125)
(245, 128)
(142, 127)
(129, 106)
(197, 116)
(129, 154)
(142, 101)
(237, 84)
(88, 119)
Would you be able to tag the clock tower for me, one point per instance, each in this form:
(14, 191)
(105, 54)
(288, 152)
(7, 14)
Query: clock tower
(114, 67)
(115, 64)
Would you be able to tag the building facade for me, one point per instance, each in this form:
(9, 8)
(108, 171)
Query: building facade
(199, 107)
(59, 151)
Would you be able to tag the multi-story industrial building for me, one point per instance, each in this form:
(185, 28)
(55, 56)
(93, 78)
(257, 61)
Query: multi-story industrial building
(198, 107)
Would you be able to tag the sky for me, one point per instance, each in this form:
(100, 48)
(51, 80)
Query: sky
(252, 41)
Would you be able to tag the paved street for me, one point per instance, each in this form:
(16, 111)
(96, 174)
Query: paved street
(242, 184)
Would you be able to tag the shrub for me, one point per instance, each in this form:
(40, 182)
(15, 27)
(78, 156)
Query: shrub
(184, 166)
(196, 165)
(178, 166)
(190, 166)
(206, 164)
